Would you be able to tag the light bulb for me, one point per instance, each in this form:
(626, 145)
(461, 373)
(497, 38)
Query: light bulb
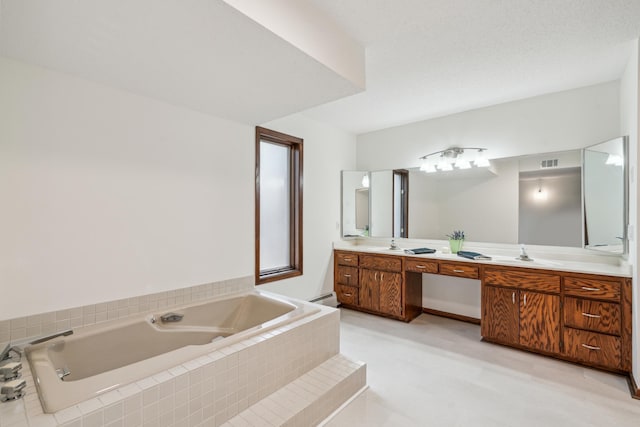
(540, 194)
(444, 165)
(614, 160)
(481, 160)
(462, 163)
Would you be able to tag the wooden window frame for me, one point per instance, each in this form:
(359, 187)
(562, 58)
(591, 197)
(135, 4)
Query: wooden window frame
(295, 181)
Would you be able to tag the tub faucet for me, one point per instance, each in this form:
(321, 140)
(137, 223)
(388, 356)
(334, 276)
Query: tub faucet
(6, 353)
(523, 254)
(12, 390)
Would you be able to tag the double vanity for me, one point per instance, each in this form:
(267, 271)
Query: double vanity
(576, 311)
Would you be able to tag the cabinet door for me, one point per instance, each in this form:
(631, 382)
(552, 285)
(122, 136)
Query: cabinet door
(369, 293)
(500, 314)
(391, 293)
(540, 321)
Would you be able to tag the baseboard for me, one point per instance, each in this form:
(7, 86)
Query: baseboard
(451, 315)
(633, 387)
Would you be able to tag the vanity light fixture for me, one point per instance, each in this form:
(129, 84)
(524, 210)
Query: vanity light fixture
(365, 180)
(540, 194)
(615, 160)
(454, 157)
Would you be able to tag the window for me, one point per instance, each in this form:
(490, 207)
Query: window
(278, 206)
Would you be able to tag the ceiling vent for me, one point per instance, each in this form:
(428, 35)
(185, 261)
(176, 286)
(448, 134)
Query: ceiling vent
(551, 163)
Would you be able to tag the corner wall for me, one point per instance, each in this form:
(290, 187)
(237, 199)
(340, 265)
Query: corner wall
(109, 195)
(555, 122)
(629, 98)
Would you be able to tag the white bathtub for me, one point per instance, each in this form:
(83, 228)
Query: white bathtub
(100, 358)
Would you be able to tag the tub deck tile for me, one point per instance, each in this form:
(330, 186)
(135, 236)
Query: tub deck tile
(146, 383)
(110, 397)
(68, 414)
(42, 420)
(89, 406)
(177, 371)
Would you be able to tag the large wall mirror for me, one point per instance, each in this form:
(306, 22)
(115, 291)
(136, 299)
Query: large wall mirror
(574, 198)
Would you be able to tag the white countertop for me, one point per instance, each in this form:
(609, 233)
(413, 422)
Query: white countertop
(570, 259)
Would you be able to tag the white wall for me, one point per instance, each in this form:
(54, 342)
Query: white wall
(327, 151)
(555, 122)
(107, 195)
(629, 126)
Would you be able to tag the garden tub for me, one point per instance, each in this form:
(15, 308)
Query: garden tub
(99, 358)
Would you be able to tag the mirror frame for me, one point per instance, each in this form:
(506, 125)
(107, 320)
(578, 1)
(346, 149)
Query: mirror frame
(625, 213)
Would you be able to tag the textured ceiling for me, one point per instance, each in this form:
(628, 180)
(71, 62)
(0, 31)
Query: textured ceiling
(424, 58)
(202, 54)
(430, 58)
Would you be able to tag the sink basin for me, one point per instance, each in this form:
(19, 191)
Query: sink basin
(383, 249)
(516, 261)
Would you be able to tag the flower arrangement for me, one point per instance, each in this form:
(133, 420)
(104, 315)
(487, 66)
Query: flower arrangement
(456, 235)
(456, 239)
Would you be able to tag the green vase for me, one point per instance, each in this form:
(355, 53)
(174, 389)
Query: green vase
(455, 245)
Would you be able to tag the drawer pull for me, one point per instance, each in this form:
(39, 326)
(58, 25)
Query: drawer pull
(585, 288)
(458, 271)
(347, 295)
(590, 347)
(525, 299)
(347, 259)
(513, 297)
(597, 316)
(420, 266)
(347, 275)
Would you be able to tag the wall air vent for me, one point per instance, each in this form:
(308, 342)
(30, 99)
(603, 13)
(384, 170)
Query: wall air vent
(551, 163)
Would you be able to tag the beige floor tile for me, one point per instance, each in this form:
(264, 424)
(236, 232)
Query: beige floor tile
(437, 372)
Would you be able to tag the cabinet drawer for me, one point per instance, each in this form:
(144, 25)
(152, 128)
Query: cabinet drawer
(421, 266)
(381, 263)
(460, 270)
(347, 258)
(592, 348)
(592, 288)
(347, 276)
(347, 294)
(522, 280)
(592, 315)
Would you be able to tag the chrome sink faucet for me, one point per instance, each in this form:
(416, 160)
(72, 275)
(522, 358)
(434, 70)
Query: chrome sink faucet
(523, 254)
(394, 246)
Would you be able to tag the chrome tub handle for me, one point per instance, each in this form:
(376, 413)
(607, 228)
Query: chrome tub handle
(171, 317)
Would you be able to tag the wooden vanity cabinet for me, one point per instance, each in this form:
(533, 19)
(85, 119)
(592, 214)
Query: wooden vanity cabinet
(346, 278)
(582, 318)
(381, 284)
(514, 312)
(381, 287)
(381, 291)
(597, 321)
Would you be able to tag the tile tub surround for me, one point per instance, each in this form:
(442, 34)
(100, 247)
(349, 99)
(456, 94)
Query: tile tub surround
(206, 391)
(24, 329)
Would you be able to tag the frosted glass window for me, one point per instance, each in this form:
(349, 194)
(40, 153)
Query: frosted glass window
(275, 206)
(278, 206)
